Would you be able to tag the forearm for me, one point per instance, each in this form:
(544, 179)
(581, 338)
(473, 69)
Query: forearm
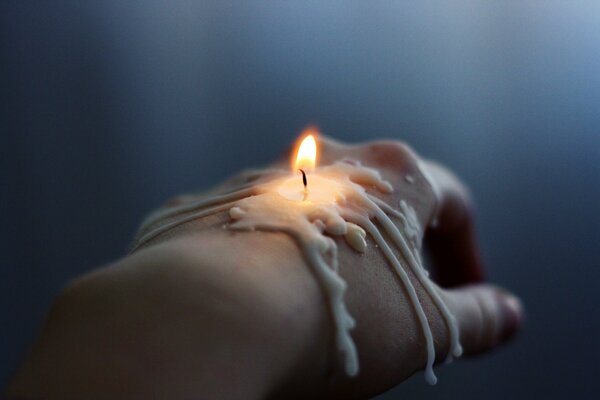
(113, 333)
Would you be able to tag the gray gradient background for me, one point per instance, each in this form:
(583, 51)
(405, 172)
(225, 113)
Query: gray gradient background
(110, 107)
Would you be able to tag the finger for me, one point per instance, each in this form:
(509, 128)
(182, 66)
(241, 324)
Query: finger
(451, 239)
(486, 315)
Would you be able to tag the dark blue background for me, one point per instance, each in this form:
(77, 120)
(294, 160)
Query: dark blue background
(110, 107)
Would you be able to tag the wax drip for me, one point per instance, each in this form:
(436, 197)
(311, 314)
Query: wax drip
(409, 219)
(312, 226)
(410, 255)
(143, 239)
(164, 219)
(391, 257)
(170, 212)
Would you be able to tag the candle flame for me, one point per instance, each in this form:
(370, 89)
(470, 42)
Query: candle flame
(306, 153)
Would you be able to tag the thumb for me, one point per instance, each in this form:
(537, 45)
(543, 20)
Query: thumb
(486, 315)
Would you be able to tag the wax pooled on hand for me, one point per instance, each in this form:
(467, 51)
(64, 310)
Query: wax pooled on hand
(336, 202)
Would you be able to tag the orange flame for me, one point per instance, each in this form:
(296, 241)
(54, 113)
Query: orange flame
(306, 151)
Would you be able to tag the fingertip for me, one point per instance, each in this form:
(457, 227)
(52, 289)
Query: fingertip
(512, 315)
(487, 316)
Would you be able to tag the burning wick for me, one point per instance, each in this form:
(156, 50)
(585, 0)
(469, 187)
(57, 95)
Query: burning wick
(305, 182)
(306, 156)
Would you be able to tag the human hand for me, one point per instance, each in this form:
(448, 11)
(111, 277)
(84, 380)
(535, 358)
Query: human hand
(257, 324)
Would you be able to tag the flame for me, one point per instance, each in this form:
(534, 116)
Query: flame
(306, 153)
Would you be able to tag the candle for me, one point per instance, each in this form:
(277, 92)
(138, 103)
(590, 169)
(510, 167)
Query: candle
(315, 204)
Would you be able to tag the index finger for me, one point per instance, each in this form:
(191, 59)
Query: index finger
(451, 239)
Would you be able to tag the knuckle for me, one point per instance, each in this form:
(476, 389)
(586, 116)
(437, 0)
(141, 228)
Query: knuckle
(394, 154)
(177, 200)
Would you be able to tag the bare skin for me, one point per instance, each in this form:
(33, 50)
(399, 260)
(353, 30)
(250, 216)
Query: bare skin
(204, 312)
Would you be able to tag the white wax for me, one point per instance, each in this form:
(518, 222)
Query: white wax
(335, 203)
(319, 190)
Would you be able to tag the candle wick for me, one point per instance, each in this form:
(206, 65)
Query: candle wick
(305, 182)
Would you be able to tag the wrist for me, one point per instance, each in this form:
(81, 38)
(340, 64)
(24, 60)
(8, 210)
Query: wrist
(277, 307)
(206, 315)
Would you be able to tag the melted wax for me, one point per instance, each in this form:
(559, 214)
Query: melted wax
(312, 222)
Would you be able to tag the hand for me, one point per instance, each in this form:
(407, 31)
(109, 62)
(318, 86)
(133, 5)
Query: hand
(204, 312)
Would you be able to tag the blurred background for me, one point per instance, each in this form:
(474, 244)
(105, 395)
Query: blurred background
(110, 107)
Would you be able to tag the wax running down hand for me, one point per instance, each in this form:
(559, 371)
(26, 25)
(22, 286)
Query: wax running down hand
(346, 199)
(233, 312)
